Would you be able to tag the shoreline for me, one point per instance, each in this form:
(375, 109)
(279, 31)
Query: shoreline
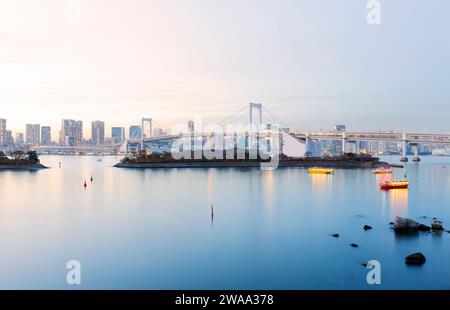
(33, 167)
(294, 164)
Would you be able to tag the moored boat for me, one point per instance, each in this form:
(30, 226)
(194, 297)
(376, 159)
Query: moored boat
(320, 171)
(385, 170)
(394, 184)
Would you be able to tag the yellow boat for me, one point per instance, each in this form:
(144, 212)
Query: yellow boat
(394, 184)
(382, 171)
(320, 171)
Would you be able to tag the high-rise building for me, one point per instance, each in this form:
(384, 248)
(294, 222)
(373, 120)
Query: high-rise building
(71, 132)
(135, 132)
(19, 138)
(46, 135)
(191, 127)
(336, 146)
(33, 134)
(117, 135)
(9, 140)
(339, 128)
(98, 132)
(2, 131)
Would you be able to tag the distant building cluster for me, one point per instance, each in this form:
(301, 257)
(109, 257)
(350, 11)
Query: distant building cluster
(71, 133)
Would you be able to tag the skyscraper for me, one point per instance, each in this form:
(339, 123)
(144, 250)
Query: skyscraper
(117, 134)
(2, 131)
(135, 132)
(33, 134)
(71, 132)
(98, 132)
(19, 138)
(9, 140)
(46, 135)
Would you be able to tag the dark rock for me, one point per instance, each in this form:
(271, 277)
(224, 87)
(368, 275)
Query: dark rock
(415, 259)
(367, 227)
(424, 216)
(353, 245)
(405, 225)
(364, 264)
(423, 227)
(335, 235)
(391, 223)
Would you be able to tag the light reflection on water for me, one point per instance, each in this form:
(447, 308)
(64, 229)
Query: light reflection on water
(152, 229)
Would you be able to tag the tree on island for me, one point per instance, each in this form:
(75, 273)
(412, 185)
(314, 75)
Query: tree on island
(33, 156)
(18, 155)
(19, 158)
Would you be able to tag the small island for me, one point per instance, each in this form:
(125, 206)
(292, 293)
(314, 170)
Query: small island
(20, 160)
(165, 160)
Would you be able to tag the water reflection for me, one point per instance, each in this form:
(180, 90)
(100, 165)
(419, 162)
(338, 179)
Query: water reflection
(398, 199)
(150, 229)
(268, 177)
(321, 183)
(210, 194)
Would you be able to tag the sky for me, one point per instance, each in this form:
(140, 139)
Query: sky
(311, 63)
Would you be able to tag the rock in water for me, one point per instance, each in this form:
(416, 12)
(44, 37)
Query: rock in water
(436, 224)
(423, 227)
(415, 259)
(353, 245)
(405, 225)
(335, 235)
(367, 227)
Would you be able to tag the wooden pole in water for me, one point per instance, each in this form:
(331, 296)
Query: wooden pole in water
(212, 211)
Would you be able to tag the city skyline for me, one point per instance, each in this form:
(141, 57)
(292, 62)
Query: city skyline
(314, 63)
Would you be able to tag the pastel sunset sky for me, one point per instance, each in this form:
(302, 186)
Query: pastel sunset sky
(312, 63)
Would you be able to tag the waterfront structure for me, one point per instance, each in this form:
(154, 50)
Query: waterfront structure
(336, 141)
(71, 133)
(98, 132)
(46, 135)
(134, 132)
(117, 135)
(146, 131)
(33, 134)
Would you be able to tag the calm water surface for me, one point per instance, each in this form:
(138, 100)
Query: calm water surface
(152, 229)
